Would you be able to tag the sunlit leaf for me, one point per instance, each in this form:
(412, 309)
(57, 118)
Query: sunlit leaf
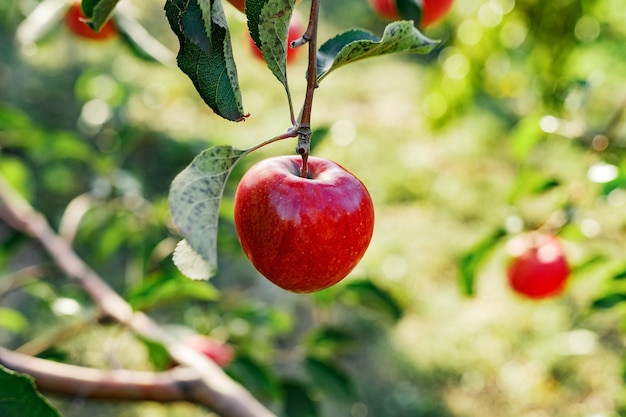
(195, 196)
(12, 320)
(330, 379)
(157, 354)
(98, 12)
(20, 398)
(355, 45)
(206, 54)
(191, 263)
(524, 136)
(474, 258)
(159, 290)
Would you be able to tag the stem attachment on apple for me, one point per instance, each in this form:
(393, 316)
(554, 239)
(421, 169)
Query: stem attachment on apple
(304, 148)
(304, 125)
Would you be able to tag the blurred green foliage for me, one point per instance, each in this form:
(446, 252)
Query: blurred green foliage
(512, 124)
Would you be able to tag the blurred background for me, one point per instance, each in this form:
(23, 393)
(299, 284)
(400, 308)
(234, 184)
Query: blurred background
(512, 124)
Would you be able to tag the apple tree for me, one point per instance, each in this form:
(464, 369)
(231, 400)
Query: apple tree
(205, 56)
(489, 149)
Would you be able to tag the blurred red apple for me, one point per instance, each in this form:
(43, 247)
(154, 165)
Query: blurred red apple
(75, 21)
(432, 10)
(538, 268)
(219, 352)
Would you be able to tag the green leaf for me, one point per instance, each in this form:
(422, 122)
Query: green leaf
(159, 290)
(20, 398)
(410, 9)
(253, 13)
(608, 301)
(194, 201)
(620, 275)
(256, 377)
(369, 295)
(157, 354)
(12, 321)
(318, 135)
(355, 45)
(206, 55)
(473, 259)
(268, 23)
(98, 12)
(331, 380)
(524, 136)
(273, 33)
(298, 403)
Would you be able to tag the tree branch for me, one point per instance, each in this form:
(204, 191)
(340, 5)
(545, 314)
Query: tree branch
(225, 396)
(177, 384)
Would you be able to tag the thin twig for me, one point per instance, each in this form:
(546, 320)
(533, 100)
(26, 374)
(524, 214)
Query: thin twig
(225, 396)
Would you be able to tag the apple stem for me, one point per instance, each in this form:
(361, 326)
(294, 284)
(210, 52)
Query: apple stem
(304, 148)
(304, 126)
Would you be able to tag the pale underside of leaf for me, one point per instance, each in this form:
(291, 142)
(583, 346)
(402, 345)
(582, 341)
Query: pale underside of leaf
(191, 263)
(355, 45)
(194, 200)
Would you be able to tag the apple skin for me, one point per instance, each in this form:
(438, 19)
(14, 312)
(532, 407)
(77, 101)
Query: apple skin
(239, 4)
(75, 22)
(303, 234)
(386, 9)
(539, 267)
(296, 29)
(432, 10)
(219, 352)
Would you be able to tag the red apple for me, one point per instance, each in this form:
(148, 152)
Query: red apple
(538, 268)
(432, 10)
(386, 9)
(219, 352)
(303, 234)
(75, 21)
(296, 29)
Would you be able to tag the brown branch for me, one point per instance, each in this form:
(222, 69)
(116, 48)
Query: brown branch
(223, 395)
(304, 124)
(177, 384)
